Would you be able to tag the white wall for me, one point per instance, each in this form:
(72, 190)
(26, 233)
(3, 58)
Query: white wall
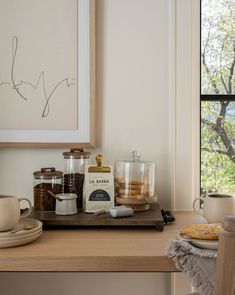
(132, 111)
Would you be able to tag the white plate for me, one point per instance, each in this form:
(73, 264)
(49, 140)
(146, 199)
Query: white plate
(203, 244)
(14, 243)
(22, 222)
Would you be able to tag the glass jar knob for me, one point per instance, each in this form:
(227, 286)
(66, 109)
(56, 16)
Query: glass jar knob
(136, 156)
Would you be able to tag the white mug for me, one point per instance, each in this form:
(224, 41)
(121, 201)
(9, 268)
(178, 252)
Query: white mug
(215, 207)
(10, 211)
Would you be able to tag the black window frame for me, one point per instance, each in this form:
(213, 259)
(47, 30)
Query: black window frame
(208, 97)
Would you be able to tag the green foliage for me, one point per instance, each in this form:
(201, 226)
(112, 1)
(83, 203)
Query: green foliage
(218, 31)
(217, 77)
(217, 169)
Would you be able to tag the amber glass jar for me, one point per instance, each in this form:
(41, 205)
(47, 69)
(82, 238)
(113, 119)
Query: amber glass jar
(74, 169)
(47, 179)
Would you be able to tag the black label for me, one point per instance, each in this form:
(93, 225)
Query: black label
(99, 195)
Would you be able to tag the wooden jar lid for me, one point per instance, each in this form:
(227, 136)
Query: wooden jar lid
(77, 154)
(48, 173)
(132, 201)
(136, 208)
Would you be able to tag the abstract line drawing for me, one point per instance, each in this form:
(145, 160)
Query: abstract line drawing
(17, 86)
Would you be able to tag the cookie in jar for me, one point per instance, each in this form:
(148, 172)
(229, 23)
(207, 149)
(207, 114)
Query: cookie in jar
(135, 183)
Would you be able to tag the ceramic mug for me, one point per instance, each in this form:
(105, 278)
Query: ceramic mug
(10, 211)
(215, 207)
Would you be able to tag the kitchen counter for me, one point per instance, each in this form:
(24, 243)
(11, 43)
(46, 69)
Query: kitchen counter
(98, 249)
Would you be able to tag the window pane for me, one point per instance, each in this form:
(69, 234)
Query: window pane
(217, 46)
(218, 147)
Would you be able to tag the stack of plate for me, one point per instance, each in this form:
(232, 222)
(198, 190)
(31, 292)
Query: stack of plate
(29, 230)
(203, 244)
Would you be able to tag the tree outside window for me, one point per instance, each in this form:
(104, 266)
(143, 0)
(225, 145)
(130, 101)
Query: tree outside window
(218, 96)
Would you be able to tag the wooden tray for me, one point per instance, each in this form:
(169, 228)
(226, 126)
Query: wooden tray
(152, 217)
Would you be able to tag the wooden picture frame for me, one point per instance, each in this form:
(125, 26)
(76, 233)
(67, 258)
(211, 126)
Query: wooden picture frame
(84, 134)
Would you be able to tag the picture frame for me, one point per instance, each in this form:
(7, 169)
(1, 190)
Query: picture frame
(83, 136)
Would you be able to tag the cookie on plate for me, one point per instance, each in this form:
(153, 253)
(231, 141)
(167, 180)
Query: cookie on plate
(208, 231)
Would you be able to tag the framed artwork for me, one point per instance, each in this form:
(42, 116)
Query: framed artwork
(47, 73)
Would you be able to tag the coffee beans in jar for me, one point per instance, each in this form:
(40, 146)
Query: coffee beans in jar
(73, 183)
(45, 180)
(75, 162)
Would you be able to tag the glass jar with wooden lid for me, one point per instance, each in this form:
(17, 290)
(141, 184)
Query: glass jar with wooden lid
(75, 161)
(46, 180)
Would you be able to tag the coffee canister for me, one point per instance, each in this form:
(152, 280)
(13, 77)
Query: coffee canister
(47, 179)
(75, 162)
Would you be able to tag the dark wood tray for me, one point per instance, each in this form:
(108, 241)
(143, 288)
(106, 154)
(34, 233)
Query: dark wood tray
(152, 217)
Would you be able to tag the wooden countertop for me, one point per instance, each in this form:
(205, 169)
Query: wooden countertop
(98, 250)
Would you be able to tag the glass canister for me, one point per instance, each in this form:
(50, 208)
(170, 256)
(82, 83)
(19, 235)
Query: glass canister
(135, 183)
(74, 169)
(47, 179)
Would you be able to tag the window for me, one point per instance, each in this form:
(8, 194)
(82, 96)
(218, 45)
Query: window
(218, 96)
